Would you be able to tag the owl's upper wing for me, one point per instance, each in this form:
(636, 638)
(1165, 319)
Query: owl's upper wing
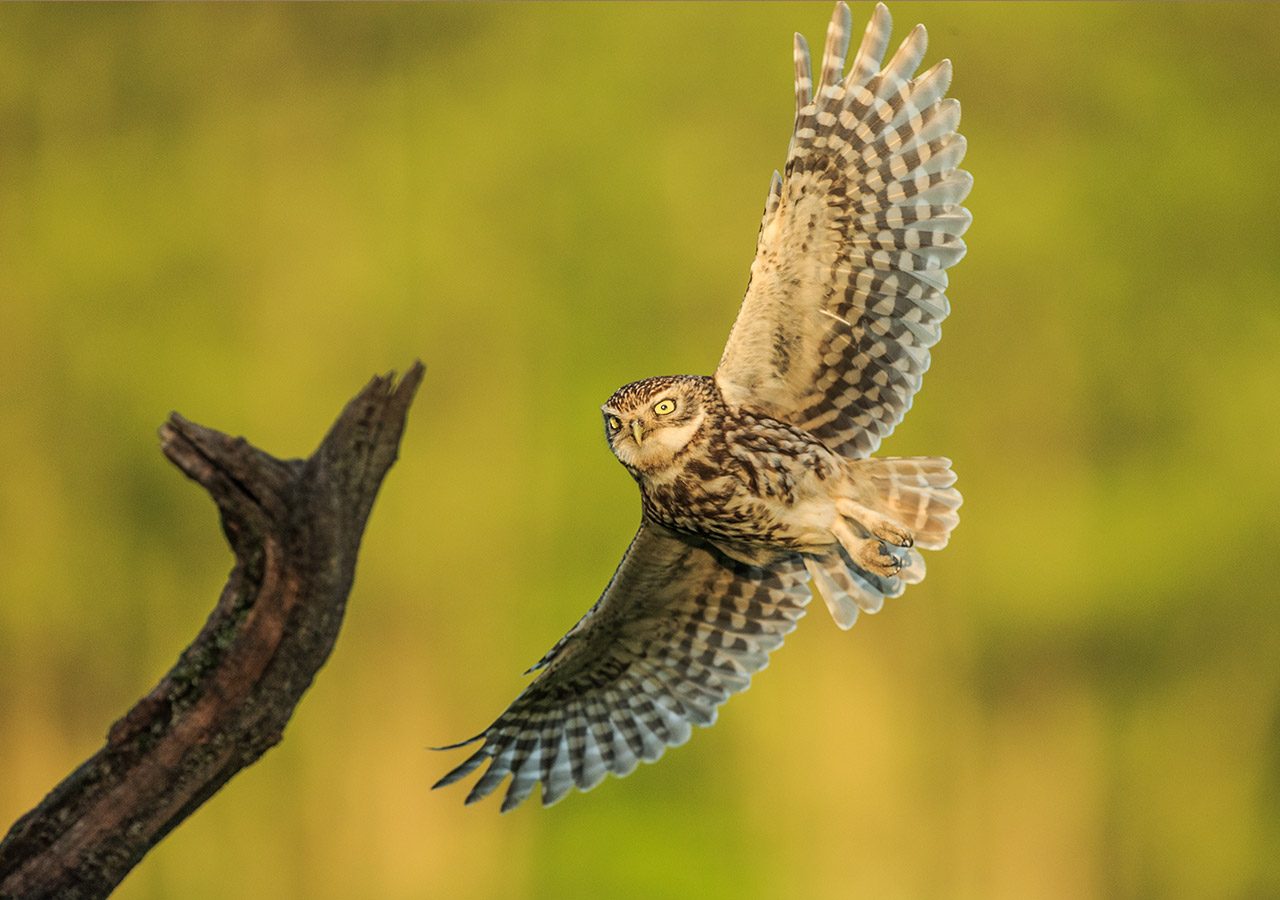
(679, 628)
(847, 288)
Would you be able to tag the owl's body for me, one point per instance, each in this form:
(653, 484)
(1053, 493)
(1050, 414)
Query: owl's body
(758, 488)
(759, 478)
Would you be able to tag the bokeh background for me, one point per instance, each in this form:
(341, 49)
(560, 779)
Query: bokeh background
(242, 212)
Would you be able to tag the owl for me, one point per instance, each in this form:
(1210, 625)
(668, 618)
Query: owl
(759, 479)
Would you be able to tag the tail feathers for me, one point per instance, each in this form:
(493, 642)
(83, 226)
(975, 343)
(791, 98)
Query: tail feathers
(849, 589)
(917, 492)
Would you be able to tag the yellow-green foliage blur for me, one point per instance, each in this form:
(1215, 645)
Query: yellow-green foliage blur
(242, 212)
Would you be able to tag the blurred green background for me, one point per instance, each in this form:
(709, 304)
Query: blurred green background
(241, 212)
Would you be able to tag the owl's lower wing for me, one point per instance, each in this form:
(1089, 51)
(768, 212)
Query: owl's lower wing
(679, 628)
(847, 290)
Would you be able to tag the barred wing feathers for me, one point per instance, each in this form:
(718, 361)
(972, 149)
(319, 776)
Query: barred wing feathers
(847, 290)
(677, 631)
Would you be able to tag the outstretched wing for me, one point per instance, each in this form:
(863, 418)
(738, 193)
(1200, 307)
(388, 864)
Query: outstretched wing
(679, 628)
(847, 289)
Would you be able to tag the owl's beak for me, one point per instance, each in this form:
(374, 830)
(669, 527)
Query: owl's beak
(637, 431)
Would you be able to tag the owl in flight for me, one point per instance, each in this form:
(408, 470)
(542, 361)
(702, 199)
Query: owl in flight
(759, 478)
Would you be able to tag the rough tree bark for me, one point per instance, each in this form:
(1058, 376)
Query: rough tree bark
(295, 528)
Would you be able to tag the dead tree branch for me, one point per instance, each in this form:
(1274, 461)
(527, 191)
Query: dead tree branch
(295, 528)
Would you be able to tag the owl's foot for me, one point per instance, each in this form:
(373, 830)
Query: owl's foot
(882, 528)
(874, 554)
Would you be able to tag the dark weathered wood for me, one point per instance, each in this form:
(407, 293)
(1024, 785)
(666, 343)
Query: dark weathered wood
(295, 527)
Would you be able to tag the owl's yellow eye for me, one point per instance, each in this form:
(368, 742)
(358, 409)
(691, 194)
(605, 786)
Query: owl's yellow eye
(614, 423)
(664, 407)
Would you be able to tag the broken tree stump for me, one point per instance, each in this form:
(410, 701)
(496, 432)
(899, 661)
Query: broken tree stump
(295, 528)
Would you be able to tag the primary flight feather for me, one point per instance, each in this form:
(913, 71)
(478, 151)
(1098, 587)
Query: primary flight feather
(759, 478)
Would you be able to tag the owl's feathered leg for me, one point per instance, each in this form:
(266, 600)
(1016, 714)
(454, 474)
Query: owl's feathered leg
(882, 528)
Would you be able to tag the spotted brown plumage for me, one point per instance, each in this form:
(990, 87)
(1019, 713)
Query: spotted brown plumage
(757, 479)
(847, 290)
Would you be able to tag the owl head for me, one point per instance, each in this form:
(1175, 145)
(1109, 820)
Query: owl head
(648, 423)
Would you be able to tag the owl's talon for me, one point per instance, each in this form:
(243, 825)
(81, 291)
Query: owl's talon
(875, 556)
(894, 534)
